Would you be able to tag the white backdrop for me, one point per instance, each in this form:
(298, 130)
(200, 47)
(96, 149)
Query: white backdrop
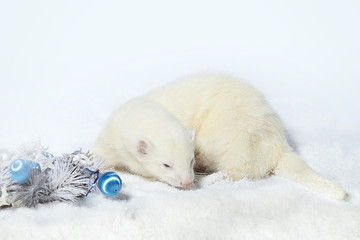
(66, 65)
(68, 58)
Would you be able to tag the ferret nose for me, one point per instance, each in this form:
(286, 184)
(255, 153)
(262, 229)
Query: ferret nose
(186, 184)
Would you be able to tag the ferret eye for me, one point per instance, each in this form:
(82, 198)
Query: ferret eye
(166, 165)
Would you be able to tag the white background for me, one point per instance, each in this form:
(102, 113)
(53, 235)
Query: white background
(70, 58)
(66, 65)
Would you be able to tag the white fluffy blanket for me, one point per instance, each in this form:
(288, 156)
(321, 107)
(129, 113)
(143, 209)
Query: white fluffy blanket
(214, 208)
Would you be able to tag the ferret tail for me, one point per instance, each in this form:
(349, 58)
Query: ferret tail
(293, 167)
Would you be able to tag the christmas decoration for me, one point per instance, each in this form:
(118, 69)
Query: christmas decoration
(32, 176)
(109, 183)
(20, 170)
(36, 167)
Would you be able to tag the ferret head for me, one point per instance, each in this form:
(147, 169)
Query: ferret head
(168, 156)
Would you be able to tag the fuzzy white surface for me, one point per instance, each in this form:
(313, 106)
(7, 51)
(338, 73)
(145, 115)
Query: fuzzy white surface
(65, 66)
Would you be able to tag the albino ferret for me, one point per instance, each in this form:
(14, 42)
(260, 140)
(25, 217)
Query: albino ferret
(237, 132)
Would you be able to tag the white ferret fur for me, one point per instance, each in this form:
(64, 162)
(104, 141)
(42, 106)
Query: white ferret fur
(237, 132)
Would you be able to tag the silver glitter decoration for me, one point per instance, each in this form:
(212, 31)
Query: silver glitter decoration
(65, 178)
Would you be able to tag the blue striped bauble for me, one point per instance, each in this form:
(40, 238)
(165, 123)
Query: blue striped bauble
(109, 183)
(20, 170)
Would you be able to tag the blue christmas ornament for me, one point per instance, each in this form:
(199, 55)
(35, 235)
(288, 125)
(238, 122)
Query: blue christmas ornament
(109, 183)
(20, 170)
(47, 154)
(36, 167)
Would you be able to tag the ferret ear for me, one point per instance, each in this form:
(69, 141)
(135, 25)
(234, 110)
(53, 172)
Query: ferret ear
(143, 146)
(191, 133)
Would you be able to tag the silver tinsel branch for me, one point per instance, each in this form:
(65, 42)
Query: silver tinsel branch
(65, 178)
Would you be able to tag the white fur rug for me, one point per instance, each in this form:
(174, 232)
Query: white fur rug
(214, 208)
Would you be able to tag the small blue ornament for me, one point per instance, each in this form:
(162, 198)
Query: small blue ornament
(47, 154)
(109, 183)
(36, 167)
(20, 170)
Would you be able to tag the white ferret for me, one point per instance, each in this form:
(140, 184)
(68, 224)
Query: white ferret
(237, 132)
